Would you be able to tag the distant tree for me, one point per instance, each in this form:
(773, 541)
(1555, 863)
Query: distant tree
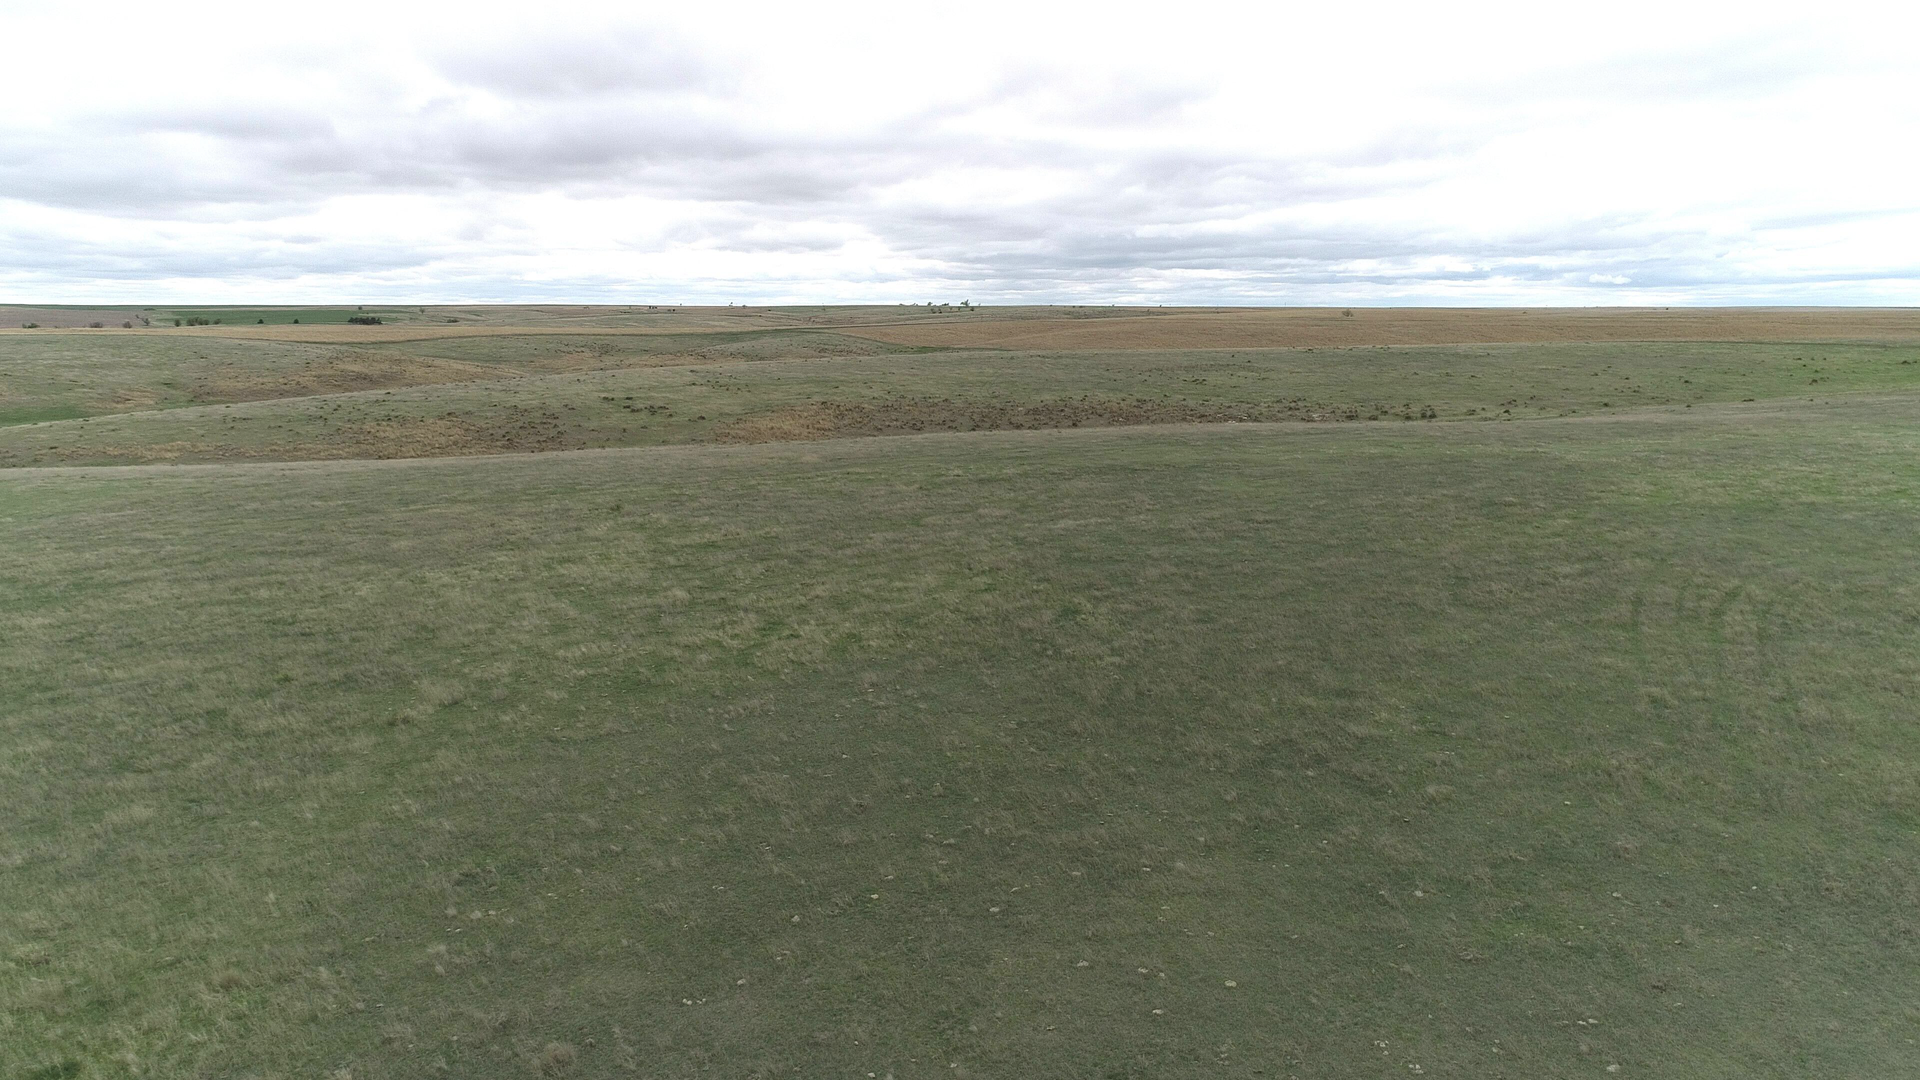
(128, 325)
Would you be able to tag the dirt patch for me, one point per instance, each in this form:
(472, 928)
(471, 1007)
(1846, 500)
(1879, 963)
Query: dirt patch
(907, 416)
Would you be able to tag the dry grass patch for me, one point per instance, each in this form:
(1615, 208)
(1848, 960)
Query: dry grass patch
(908, 416)
(1328, 327)
(337, 374)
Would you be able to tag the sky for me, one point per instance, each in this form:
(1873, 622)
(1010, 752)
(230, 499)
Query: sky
(1193, 153)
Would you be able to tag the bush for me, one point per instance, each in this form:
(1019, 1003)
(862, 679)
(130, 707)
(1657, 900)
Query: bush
(95, 325)
(29, 326)
(128, 325)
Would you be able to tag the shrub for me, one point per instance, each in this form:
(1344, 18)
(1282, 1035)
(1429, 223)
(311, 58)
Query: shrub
(29, 326)
(128, 325)
(95, 325)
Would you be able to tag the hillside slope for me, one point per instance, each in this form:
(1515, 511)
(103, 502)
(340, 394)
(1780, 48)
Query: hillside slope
(1312, 750)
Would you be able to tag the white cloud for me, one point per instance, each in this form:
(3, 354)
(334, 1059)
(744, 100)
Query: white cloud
(1410, 153)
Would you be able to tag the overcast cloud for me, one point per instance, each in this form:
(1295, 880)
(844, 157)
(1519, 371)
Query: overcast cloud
(1473, 154)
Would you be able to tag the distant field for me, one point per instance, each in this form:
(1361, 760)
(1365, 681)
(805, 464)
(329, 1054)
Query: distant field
(149, 318)
(1054, 327)
(1524, 709)
(128, 398)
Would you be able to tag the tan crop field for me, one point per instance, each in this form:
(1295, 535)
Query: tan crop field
(952, 692)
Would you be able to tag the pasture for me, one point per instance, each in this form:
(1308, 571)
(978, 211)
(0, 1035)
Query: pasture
(916, 693)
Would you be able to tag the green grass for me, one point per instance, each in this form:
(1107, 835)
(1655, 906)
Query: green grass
(519, 393)
(68, 376)
(1517, 749)
(39, 414)
(83, 375)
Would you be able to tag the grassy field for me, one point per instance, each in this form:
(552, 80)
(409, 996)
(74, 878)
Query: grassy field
(124, 400)
(1578, 745)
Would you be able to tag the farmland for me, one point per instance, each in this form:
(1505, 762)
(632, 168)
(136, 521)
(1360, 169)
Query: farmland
(958, 692)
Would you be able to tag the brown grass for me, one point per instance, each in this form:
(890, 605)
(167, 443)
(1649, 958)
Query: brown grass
(907, 416)
(339, 374)
(14, 316)
(1327, 327)
(391, 437)
(367, 335)
(1107, 328)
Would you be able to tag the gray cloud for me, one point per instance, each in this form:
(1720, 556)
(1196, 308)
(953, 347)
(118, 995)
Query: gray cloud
(1035, 183)
(552, 65)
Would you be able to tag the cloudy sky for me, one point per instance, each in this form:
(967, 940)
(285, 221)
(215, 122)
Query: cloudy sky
(1177, 153)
